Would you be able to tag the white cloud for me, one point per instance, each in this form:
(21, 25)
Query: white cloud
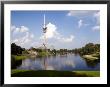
(16, 30)
(13, 28)
(97, 14)
(80, 23)
(34, 43)
(53, 33)
(95, 28)
(97, 17)
(80, 12)
(21, 36)
(32, 35)
(15, 40)
(70, 39)
(51, 30)
(22, 40)
(21, 29)
(73, 13)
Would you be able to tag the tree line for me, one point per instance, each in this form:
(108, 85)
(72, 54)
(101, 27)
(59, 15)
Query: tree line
(89, 48)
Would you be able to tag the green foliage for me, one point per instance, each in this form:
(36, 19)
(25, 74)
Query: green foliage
(43, 53)
(36, 49)
(54, 51)
(89, 48)
(25, 52)
(63, 50)
(96, 55)
(15, 50)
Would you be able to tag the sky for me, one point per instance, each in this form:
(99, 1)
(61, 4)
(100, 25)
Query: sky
(65, 29)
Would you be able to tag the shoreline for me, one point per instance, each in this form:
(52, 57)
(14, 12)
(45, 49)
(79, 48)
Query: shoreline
(90, 57)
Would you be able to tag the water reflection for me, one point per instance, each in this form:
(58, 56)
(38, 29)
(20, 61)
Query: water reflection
(15, 64)
(63, 55)
(92, 63)
(59, 62)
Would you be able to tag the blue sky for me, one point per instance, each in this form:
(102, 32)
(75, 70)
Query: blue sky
(65, 29)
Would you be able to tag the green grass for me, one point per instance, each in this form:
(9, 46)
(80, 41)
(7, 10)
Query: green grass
(53, 73)
(20, 57)
(89, 73)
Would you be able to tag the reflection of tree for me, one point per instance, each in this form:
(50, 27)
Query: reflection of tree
(15, 64)
(76, 54)
(63, 55)
(54, 56)
(45, 63)
(91, 63)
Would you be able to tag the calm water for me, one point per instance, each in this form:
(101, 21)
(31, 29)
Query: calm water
(60, 62)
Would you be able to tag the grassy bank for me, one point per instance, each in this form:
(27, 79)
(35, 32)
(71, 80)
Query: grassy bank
(90, 57)
(53, 73)
(20, 57)
(89, 73)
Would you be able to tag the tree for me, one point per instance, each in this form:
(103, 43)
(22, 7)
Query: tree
(15, 50)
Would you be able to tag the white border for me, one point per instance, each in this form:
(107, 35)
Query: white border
(56, 80)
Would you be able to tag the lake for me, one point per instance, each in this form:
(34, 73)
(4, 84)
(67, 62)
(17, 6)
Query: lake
(68, 62)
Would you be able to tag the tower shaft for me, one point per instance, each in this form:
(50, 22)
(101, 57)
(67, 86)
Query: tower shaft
(44, 31)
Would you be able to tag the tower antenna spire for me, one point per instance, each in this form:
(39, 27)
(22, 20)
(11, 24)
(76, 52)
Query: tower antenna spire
(44, 26)
(44, 21)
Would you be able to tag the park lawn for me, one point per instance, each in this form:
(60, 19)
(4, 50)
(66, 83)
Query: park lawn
(89, 73)
(53, 73)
